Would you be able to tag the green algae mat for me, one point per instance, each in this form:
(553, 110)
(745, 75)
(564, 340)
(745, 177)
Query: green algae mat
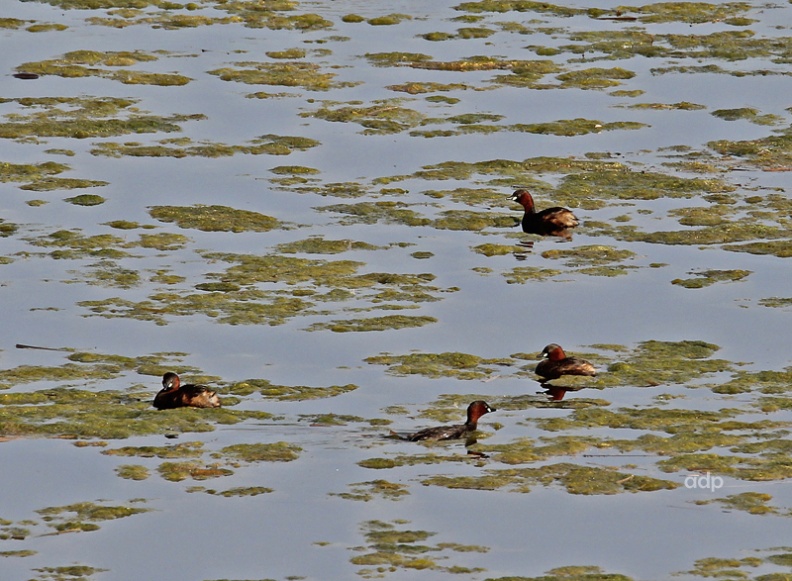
(305, 206)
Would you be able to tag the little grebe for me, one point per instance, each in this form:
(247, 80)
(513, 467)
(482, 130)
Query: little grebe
(550, 222)
(474, 411)
(174, 395)
(558, 364)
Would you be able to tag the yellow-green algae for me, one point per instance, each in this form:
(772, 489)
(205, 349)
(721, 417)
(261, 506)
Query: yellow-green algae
(288, 392)
(83, 516)
(108, 274)
(750, 502)
(575, 479)
(84, 117)
(321, 245)
(391, 549)
(178, 471)
(384, 323)
(749, 114)
(214, 218)
(590, 255)
(67, 573)
(184, 147)
(308, 76)
(132, 472)
(366, 491)
(86, 200)
(303, 285)
(16, 172)
(239, 491)
(709, 277)
(734, 568)
(275, 452)
(776, 302)
(84, 63)
(771, 153)
(570, 573)
(183, 450)
(49, 184)
(381, 118)
(449, 364)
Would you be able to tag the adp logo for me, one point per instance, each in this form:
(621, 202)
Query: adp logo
(704, 481)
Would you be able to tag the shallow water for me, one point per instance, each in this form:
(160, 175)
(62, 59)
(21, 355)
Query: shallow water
(557, 488)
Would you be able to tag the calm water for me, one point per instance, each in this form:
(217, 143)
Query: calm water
(303, 528)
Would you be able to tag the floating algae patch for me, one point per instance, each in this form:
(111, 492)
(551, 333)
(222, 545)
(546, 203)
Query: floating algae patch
(574, 127)
(736, 568)
(390, 59)
(428, 459)
(271, 289)
(49, 184)
(612, 181)
(417, 88)
(69, 372)
(288, 392)
(67, 573)
(83, 516)
(771, 153)
(178, 471)
(238, 492)
(594, 78)
(327, 420)
(590, 255)
(709, 277)
(7, 229)
(214, 218)
(490, 249)
(523, 274)
(107, 273)
(779, 248)
(374, 489)
(437, 365)
(132, 472)
(74, 413)
(748, 114)
(182, 450)
(373, 212)
(321, 245)
(183, 147)
(385, 117)
(85, 117)
(466, 32)
(689, 12)
(750, 502)
(39, 172)
(273, 15)
(391, 547)
(274, 452)
(168, 241)
(571, 573)
(575, 479)
(679, 106)
(87, 63)
(776, 302)
(501, 6)
(74, 245)
(308, 76)
(86, 200)
(385, 323)
(470, 220)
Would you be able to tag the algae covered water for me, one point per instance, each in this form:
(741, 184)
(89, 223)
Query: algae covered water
(306, 207)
